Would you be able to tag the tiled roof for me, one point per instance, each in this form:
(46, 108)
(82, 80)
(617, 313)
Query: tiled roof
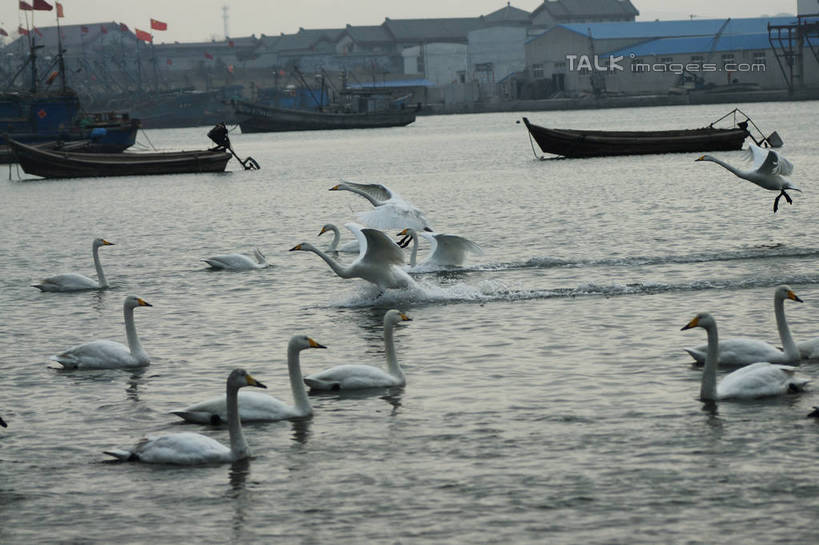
(369, 34)
(685, 27)
(508, 14)
(570, 9)
(429, 30)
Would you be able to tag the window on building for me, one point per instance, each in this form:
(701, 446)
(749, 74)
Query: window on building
(666, 60)
(638, 65)
(727, 58)
(420, 62)
(537, 71)
(760, 57)
(560, 66)
(697, 58)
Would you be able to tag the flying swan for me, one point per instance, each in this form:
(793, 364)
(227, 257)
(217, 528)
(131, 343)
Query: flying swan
(189, 448)
(352, 377)
(768, 170)
(349, 247)
(742, 351)
(760, 379)
(256, 406)
(109, 354)
(78, 282)
(237, 262)
(390, 212)
(379, 259)
(447, 250)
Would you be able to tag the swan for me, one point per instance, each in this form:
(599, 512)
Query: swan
(78, 282)
(378, 259)
(391, 211)
(351, 377)
(760, 379)
(768, 170)
(808, 350)
(255, 406)
(742, 351)
(237, 262)
(189, 448)
(109, 354)
(447, 250)
(350, 247)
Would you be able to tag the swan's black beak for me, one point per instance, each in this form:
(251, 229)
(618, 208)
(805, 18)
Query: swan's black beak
(296, 247)
(106, 243)
(253, 382)
(144, 303)
(334, 188)
(693, 323)
(793, 297)
(700, 158)
(314, 344)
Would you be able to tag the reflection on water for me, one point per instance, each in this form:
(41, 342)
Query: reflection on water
(300, 430)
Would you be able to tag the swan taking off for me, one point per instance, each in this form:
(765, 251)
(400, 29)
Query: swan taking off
(192, 448)
(78, 282)
(742, 351)
(768, 171)
(761, 379)
(447, 250)
(237, 262)
(379, 259)
(349, 247)
(258, 407)
(352, 377)
(391, 211)
(109, 354)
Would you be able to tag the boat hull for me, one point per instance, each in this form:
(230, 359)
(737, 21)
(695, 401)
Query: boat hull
(255, 118)
(66, 164)
(578, 143)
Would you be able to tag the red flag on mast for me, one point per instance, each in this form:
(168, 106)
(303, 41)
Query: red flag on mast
(144, 36)
(42, 5)
(25, 6)
(59, 10)
(158, 25)
(208, 55)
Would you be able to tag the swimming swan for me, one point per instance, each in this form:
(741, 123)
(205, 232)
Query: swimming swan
(351, 377)
(350, 247)
(390, 212)
(742, 351)
(378, 259)
(256, 406)
(768, 171)
(78, 282)
(447, 250)
(760, 379)
(237, 262)
(109, 354)
(189, 448)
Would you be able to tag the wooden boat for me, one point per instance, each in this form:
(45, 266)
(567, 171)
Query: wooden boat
(53, 163)
(257, 118)
(585, 143)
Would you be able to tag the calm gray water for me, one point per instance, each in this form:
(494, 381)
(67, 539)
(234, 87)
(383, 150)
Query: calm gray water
(548, 395)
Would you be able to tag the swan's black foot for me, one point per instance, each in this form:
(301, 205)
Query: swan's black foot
(776, 200)
(404, 242)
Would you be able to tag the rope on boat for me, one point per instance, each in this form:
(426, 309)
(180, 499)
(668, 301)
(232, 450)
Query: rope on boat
(539, 158)
(145, 134)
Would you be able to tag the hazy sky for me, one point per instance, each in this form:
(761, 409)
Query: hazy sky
(200, 20)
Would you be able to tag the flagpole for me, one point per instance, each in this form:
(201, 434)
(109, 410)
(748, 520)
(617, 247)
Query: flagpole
(60, 53)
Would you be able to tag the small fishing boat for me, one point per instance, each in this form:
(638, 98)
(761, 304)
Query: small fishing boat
(56, 163)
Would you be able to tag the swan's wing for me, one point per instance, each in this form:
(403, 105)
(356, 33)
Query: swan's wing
(230, 261)
(67, 282)
(759, 380)
(181, 448)
(768, 161)
(375, 247)
(397, 215)
(351, 377)
(377, 192)
(253, 406)
(756, 155)
(450, 249)
(97, 355)
(740, 351)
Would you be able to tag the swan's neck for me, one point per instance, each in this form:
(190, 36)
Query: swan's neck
(131, 333)
(788, 344)
(297, 381)
(414, 254)
(708, 388)
(238, 445)
(336, 238)
(723, 164)
(95, 250)
(392, 360)
(335, 265)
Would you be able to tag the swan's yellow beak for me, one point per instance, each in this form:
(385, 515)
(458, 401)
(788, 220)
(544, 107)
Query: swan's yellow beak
(405, 318)
(700, 158)
(402, 233)
(106, 243)
(693, 323)
(296, 247)
(314, 344)
(143, 302)
(323, 230)
(334, 188)
(793, 297)
(253, 382)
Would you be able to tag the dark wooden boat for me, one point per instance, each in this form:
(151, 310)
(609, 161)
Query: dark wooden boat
(584, 143)
(53, 163)
(258, 118)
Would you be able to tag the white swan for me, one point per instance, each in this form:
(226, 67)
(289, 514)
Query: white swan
(109, 354)
(768, 171)
(447, 250)
(351, 377)
(390, 212)
(808, 350)
(378, 259)
(237, 262)
(192, 448)
(742, 351)
(349, 247)
(256, 406)
(78, 282)
(760, 379)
